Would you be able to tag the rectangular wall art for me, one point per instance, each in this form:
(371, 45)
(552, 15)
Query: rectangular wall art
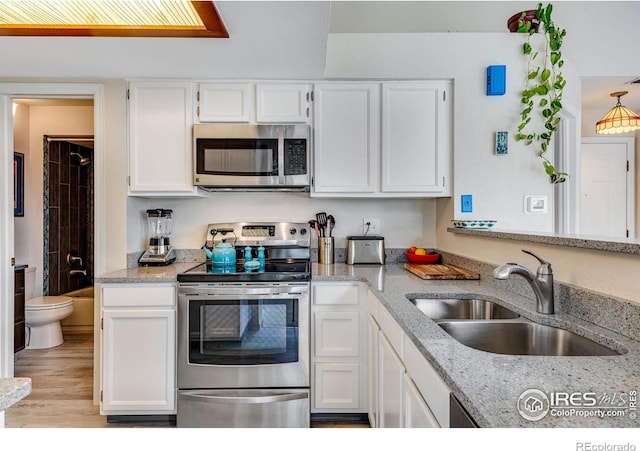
(502, 141)
(18, 184)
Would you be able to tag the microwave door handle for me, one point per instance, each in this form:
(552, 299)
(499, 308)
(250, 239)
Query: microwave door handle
(281, 162)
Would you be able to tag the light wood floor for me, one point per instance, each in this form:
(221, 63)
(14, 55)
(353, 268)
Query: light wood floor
(62, 387)
(62, 390)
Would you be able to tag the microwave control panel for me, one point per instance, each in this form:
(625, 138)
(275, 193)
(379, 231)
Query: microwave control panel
(295, 156)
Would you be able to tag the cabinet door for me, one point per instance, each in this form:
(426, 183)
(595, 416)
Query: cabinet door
(346, 138)
(160, 121)
(336, 386)
(282, 103)
(225, 102)
(416, 412)
(336, 334)
(138, 361)
(390, 380)
(416, 137)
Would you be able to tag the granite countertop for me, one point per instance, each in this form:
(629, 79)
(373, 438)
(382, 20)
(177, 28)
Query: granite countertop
(146, 274)
(13, 390)
(488, 384)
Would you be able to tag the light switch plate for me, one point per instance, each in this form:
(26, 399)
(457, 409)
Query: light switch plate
(466, 203)
(536, 205)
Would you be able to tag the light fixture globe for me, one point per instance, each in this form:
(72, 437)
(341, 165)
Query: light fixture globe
(619, 119)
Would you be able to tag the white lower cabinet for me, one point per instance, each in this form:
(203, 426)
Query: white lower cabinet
(405, 391)
(339, 375)
(138, 349)
(416, 414)
(390, 376)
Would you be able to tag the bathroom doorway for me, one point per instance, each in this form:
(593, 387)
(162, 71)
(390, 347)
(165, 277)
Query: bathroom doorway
(56, 234)
(67, 91)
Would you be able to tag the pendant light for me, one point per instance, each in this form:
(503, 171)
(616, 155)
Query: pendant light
(619, 119)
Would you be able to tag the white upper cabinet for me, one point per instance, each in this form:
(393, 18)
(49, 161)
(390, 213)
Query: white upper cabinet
(282, 103)
(225, 102)
(346, 138)
(160, 122)
(416, 137)
(254, 102)
(394, 144)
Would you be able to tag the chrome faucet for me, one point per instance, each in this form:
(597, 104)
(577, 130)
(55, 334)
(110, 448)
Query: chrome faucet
(541, 282)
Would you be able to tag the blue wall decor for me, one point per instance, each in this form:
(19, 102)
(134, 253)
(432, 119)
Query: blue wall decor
(502, 143)
(496, 80)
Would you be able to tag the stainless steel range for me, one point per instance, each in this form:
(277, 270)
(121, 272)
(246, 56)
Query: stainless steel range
(243, 329)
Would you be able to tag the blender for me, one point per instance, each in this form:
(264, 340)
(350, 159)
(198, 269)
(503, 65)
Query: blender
(160, 252)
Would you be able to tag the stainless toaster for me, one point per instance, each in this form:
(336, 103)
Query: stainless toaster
(365, 250)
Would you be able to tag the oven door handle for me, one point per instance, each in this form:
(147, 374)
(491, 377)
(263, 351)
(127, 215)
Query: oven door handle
(247, 399)
(226, 291)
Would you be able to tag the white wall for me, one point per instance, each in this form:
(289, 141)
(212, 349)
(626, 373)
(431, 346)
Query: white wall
(611, 273)
(498, 183)
(403, 222)
(42, 120)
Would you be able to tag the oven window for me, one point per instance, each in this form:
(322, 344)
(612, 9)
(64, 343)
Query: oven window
(243, 157)
(243, 332)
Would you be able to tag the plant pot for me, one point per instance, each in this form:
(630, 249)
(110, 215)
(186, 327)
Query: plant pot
(530, 16)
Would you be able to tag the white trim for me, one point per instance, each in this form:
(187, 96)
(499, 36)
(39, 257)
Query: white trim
(8, 91)
(567, 159)
(631, 173)
(6, 238)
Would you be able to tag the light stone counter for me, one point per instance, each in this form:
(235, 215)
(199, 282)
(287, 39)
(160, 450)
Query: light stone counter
(146, 274)
(488, 384)
(13, 390)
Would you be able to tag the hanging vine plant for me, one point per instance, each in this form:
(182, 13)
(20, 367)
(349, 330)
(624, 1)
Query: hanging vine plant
(542, 94)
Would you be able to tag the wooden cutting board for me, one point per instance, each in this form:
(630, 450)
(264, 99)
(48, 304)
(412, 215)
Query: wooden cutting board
(441, 272)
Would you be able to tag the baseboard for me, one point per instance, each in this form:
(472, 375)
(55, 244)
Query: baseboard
(169, 420)
(360, 418)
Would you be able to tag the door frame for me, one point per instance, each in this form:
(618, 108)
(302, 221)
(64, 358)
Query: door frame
(631, 175)
(9, 91)
(566, 197)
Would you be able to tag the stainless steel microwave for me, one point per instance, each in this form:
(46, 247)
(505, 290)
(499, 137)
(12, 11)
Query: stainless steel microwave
(251, 157)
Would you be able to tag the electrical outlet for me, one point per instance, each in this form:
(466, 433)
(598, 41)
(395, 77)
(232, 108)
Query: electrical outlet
(371, 226)
(466, 201)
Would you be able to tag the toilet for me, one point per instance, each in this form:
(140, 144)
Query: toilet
(43, 315)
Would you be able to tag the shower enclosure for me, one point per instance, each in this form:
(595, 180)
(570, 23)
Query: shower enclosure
(68, 214)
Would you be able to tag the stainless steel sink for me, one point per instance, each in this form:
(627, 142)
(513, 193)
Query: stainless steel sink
(523, 338)
(462, 309)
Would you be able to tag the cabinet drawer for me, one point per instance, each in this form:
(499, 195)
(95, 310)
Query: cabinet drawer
(343, 294)
(336, 334)
(138, 295)
(391, 329)
(434, 391)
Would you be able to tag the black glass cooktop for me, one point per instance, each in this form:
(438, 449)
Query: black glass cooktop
(272, 270)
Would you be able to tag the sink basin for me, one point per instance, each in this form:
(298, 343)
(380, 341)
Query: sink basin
(523, 338)
(463, 309)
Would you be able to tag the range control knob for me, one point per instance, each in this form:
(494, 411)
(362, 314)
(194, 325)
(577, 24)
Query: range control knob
(293, 231)
(303, 232)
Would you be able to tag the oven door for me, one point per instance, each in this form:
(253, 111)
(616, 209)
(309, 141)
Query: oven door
(243, 335)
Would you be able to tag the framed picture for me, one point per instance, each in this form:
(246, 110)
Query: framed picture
(502, 143)
(18, 184)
